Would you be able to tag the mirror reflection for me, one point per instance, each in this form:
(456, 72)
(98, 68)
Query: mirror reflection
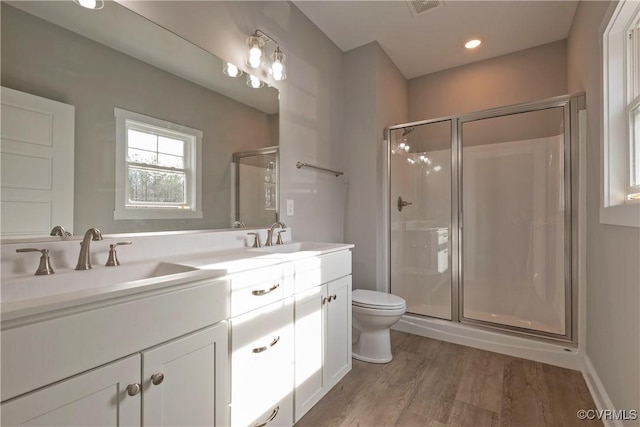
(256, 184)
(116, 76)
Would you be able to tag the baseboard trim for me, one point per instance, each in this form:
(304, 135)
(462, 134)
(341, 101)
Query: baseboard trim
(598, 392)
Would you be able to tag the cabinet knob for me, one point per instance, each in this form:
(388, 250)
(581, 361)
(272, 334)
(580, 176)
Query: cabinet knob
(156, 379)
(335, 297)
(133, 389)
(324, 300)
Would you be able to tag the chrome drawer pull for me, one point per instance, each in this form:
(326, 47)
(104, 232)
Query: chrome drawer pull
(261, 292)
(265, 348)
(271, 418)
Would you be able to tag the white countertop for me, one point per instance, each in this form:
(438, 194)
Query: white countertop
(79, 290)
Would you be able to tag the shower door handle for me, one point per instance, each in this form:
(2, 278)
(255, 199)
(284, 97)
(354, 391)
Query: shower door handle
(402, 204)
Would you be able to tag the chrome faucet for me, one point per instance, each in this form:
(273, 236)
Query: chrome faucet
(84, 260)
(270, 232)
(59, 230)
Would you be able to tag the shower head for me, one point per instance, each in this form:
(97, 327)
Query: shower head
(407, 131)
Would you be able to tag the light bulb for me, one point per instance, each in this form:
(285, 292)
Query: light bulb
(401, 145)
(255, 51)
(254, 82)
(90, 4)
(277, 64)
(231, 70)
(406, 148)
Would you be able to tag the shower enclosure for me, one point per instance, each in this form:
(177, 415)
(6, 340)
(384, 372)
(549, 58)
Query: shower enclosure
(480, 217)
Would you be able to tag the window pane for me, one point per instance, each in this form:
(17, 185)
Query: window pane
(142, 156)
(171, 146)
(155, 187)
(170, 161)
(635, 147)
(142, 140)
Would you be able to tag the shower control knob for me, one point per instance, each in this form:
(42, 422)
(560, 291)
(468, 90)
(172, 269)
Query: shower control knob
(402, 203)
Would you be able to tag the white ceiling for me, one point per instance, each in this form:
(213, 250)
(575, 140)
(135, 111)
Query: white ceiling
(433, 40)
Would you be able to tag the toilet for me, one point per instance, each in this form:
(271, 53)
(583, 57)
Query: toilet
(373, 315)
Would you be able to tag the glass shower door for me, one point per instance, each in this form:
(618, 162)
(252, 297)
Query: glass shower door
(420, 214)
(513, 218)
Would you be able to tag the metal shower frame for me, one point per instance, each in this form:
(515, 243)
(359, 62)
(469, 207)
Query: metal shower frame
(571, 104)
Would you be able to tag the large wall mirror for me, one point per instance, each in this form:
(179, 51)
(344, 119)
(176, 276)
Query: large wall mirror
(113, 65)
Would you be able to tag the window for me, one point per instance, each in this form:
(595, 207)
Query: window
(157, 168)
(621, 108)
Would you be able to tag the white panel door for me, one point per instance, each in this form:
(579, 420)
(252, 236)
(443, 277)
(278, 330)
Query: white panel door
(96, 398)
(185, 382)
(338, 335)
(37, 153)
(309, 348)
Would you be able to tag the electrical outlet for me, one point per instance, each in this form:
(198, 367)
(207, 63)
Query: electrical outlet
(290, 207)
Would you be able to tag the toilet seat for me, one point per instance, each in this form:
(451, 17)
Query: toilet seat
(376, 300)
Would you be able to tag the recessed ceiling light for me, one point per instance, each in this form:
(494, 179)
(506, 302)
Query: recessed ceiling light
(472, 44)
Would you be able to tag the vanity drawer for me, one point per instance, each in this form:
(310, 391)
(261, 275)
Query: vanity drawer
(311, 272)
(259, 287)
(262, 366)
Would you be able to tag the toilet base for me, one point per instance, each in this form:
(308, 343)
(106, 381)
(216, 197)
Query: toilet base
(369, 360)
(372, 346)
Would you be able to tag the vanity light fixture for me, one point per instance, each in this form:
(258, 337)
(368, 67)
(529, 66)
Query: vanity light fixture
(254, 82)
(256, 43)
(90, 4)
(231, 70)
(472, 44)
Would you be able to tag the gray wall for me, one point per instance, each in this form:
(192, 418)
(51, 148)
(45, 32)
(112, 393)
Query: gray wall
(376, 96)
(48, 61)
(311, 98)
(528, 75)
(613, 275)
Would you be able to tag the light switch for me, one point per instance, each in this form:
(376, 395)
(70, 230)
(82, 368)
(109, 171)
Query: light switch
(289, 207)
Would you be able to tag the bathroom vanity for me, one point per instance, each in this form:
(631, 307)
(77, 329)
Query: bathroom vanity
(237, 336)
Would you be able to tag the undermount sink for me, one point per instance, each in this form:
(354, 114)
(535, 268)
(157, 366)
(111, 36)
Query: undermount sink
(292, 248)
(72, 281)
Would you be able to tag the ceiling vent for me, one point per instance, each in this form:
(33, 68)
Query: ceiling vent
(417, 7)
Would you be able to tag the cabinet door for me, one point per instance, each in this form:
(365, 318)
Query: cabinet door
(96, 398)
(309, 349)
(338, 335)
(185, 381)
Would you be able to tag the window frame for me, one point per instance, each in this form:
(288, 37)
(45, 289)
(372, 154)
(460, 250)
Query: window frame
(620, 92)
(192, 208)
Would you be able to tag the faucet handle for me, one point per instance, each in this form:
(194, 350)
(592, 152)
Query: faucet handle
(279, 240)
(256, 239)
(44, 268)
(112, 261)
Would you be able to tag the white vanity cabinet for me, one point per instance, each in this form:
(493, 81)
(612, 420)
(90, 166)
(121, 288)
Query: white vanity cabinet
(109, 355)
(322, 327)
(166, 379)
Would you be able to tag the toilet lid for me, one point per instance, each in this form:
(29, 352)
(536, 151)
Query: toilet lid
(374, 299)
